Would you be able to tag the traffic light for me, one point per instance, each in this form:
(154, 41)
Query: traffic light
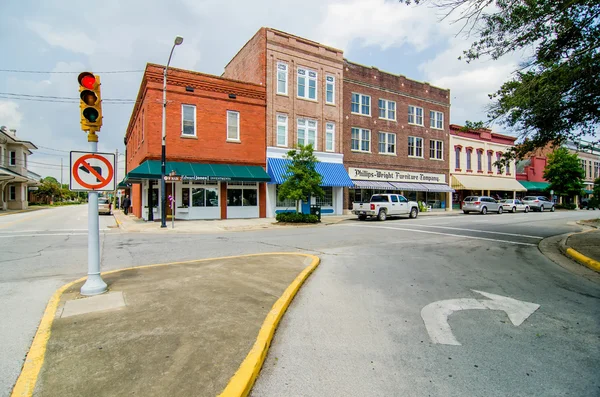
(90, 105)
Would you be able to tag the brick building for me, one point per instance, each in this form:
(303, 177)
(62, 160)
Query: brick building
(530, 171)
(395, 136)
(215, 140)
(303, 81)
(473, 172)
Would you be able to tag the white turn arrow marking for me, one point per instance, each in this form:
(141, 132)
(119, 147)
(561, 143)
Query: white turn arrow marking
(435, 315)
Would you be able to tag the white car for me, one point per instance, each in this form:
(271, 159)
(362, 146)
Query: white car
(514, 205)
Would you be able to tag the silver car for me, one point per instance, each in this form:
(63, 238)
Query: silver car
(538, 203)
(512, 205)
(481, 204)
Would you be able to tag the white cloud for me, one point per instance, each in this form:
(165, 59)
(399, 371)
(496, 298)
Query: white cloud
(69, 39)
(10, 116)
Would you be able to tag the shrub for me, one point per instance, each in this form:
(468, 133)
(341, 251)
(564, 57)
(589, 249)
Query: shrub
(293, 217)
(568, 206)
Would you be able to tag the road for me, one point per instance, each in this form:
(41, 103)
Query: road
(356, 328)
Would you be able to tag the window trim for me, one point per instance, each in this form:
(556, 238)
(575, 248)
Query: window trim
(277, 123)
(386, 143)
(387, 109)
(287, 78)
(416, 138)
(360, 140)
(306, 127)
(435, 142)
(435, 119)
(360, 96)
(415, 115)
(195, 122)
(333, 85)
(307, 85)
(328, 123)
(239, 133)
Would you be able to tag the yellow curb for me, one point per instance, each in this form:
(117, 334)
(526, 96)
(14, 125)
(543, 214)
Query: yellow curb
(25, 384)
(241, 383)
(584, 260)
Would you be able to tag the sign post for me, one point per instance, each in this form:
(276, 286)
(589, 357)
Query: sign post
(172, 177)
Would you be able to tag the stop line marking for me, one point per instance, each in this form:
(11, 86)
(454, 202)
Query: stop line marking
(483, 231)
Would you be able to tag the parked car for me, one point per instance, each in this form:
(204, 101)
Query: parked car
(512, 205)
(384, 205)
(481, 204)
(104, 206)
(538, 203)
(591, 203)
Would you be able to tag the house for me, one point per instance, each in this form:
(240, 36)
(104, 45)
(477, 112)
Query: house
(15, 178)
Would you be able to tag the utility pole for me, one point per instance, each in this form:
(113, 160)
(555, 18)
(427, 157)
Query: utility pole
(116, 199)
(61, 173)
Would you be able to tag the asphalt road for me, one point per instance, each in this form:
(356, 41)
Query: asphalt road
(355, 328)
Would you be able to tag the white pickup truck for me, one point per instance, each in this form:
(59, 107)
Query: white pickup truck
(384, 205)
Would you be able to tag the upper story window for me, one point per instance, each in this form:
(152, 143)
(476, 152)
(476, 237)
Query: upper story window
(415, 147)
(307, 84)
(188, 120)
(489, 162)
(436, 120)
(329, 137)
(282, 130)
(436, 149)
(361, 104)
(24, 159)
(12, 158)
(415, 115)
(457, 157)
(590, 169)
(361, 140)
(387, 143)
(508, 168)
(330, 89)
(498, 169)
(387, 109)
(233, 126)
(143, 124)
(469, 155)
(479, 161)
(307, 132)
(282, 78)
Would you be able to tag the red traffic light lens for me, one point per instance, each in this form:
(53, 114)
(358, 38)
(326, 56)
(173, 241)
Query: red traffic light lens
(87, 80)
(88, 97)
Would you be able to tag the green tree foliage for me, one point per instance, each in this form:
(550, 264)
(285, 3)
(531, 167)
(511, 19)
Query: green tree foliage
(48, 191)
(564, 173)
(597, 188)
(555, 93)
(301, 178)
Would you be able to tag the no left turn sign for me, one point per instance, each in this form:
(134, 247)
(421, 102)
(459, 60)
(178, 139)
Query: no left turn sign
(92, 171)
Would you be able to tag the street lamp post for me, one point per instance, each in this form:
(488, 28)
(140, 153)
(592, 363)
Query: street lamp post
(163, 167)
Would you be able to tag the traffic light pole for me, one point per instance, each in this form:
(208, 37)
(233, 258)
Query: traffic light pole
(94, 284)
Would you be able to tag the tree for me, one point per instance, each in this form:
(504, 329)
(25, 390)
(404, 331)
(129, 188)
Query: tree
(301, 178)
(49, 189)
(555, 93)
(597, 189)
(564, 173)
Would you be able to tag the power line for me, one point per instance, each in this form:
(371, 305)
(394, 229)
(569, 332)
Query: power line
(63, 98)
(58, 101)
(49, 148)
(52, 72)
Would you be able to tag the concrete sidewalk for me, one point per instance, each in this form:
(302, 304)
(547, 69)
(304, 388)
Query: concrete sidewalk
(584, 247)
(180, 329)
(130, 223)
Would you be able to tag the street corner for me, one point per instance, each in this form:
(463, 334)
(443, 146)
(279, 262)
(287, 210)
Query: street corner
(187, 328)
(584, 248)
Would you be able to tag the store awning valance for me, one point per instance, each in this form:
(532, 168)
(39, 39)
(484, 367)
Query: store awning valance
(358, 184)
(409, 187)
(334, 174)
(475, 182)
(150, 169)
(535, 186)
(438, 188)
(586, 191)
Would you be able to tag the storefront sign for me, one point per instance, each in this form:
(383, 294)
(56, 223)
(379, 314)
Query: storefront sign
(369, 174)
(172, 178)
(205, 178)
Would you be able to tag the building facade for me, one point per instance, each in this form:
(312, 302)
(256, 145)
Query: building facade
(473, 172)
(530, 171)
(304, 105)
(395, 137)
(589, 157)
(15, 178)
(215, 142)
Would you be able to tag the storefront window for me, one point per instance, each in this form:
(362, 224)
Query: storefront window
(242, 194)
(198, 194)
(198, 197)
(185, 197)
(212, 197)
(327, 200)
(234, 197)
(283, 203)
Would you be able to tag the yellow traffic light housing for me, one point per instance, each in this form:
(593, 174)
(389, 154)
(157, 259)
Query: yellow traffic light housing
(90, 105)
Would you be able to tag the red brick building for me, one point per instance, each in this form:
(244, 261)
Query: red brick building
(395, 136)
(215, 140)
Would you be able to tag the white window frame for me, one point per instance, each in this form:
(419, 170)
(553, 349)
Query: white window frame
(238, 139)
(307, 79)
(414, 115)
(435, 119)
(283, 68)
(303, 123)
(12, 163)
(386, 109)
(386, 143)
(415, 147)
(182, 120)
(360, 104)
(332, 84)
(360, 139)
(438, 148)
(282, 124)
(330, 131)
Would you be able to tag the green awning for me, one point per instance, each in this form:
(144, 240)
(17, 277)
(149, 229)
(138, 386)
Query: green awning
(588, 191)
(535, 186)
(150, 169)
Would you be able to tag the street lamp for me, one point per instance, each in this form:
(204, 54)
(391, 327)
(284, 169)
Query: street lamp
(163, 185)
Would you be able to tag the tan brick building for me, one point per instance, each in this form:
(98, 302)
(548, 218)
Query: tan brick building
(303, 81)
(215, 140)
(395, 136)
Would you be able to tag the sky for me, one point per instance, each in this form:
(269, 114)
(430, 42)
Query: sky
(116, 38)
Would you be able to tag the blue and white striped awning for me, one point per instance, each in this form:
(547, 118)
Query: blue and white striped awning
(372, 185)
(334, 174)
